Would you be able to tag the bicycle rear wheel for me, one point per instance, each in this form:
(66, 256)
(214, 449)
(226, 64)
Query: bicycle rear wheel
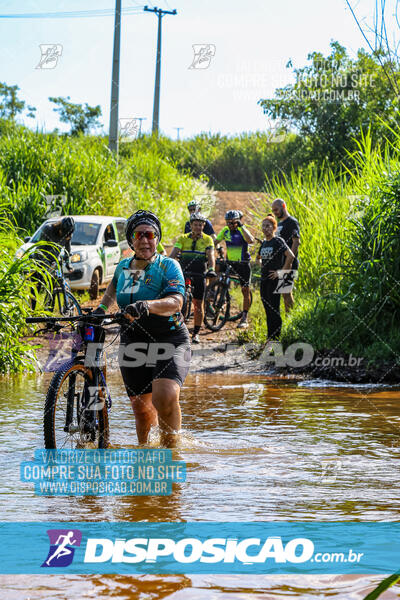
(59, 306)
(75, 413)
(217, 305)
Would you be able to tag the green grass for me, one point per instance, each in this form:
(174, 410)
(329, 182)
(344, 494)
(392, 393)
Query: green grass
(15, 354)
(35, 165)
(348, 292)
(238, 162)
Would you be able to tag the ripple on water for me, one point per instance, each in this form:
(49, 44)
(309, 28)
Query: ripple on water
(298, 452)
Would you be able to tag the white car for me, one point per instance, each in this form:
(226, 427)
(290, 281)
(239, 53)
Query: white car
(97, 246)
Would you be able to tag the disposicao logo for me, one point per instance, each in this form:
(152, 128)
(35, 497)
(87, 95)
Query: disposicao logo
(62, 542)
(191, 550)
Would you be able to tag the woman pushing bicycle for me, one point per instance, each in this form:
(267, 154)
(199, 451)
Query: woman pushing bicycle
(155, 349)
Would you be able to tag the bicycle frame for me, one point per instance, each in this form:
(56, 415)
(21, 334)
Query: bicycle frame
(61, 281)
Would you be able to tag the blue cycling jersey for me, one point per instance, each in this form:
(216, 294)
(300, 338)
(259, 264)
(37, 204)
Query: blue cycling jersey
(160, 278)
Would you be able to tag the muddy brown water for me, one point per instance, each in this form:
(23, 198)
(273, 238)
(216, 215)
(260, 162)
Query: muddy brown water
(256, 449)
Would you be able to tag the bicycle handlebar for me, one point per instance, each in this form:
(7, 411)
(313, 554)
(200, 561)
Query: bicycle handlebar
(194, 274)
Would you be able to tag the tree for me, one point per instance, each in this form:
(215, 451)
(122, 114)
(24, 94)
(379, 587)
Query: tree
(10, 104)
(336, 97)
(81, 118)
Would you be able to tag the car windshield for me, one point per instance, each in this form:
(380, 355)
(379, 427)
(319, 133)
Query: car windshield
(85, 234)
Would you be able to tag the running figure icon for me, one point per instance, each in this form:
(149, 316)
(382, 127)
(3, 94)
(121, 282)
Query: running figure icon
(63, 543)
(62, 549)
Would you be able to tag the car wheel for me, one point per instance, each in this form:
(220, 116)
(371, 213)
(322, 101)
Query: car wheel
(94, 285)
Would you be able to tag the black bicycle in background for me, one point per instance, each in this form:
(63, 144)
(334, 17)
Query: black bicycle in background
(219, 304)
(188, 300)
(59, 299)
(78, 400)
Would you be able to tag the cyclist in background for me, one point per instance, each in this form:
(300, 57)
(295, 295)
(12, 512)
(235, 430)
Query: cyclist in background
(59, 233)
(196, 249)
(237, 239)
(194, 207)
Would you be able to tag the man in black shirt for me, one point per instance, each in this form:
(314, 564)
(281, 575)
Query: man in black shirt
(289, 230)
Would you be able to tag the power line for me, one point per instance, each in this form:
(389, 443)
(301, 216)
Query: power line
(106, 12)
(156, 107)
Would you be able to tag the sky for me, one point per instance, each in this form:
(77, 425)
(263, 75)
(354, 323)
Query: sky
(249, 44)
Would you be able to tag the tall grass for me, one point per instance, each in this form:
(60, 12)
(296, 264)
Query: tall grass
(229, 163)
(321, 201)
(15, 277)
(35, 165)
(348, 291)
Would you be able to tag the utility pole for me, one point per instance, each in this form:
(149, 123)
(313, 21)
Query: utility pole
(177, 132)
(113, 134)
(156, 107)
(140, 126)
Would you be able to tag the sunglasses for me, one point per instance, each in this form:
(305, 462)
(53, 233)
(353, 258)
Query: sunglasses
(138, 235)
(233, 222)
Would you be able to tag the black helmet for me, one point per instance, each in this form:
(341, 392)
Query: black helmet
(197, 217)
(232, 215)
(67, 226)
(141, 217)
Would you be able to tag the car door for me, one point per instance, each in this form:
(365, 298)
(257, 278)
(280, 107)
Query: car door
(111, 248)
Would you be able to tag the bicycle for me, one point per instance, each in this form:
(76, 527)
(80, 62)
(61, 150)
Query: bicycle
(60, 296)
(188, 300)
(78, 401)
(218, 299)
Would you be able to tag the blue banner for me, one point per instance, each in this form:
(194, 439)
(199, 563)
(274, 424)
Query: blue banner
(259, 548)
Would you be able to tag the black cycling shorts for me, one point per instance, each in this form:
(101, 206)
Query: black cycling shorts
(198, 286)
(242, 271)
(143, 359)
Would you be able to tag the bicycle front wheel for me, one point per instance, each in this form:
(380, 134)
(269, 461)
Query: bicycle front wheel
(65, 305)
(75, 413)
(216, 306)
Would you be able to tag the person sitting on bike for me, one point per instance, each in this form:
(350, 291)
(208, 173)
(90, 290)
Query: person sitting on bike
(194, 207)
(149, 289)
(237, 238)
(60, 234)
(196, 249)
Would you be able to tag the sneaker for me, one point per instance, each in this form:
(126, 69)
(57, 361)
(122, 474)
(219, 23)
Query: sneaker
(243, 323)
(196, 339)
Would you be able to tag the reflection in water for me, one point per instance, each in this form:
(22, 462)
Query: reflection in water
(256, 449)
